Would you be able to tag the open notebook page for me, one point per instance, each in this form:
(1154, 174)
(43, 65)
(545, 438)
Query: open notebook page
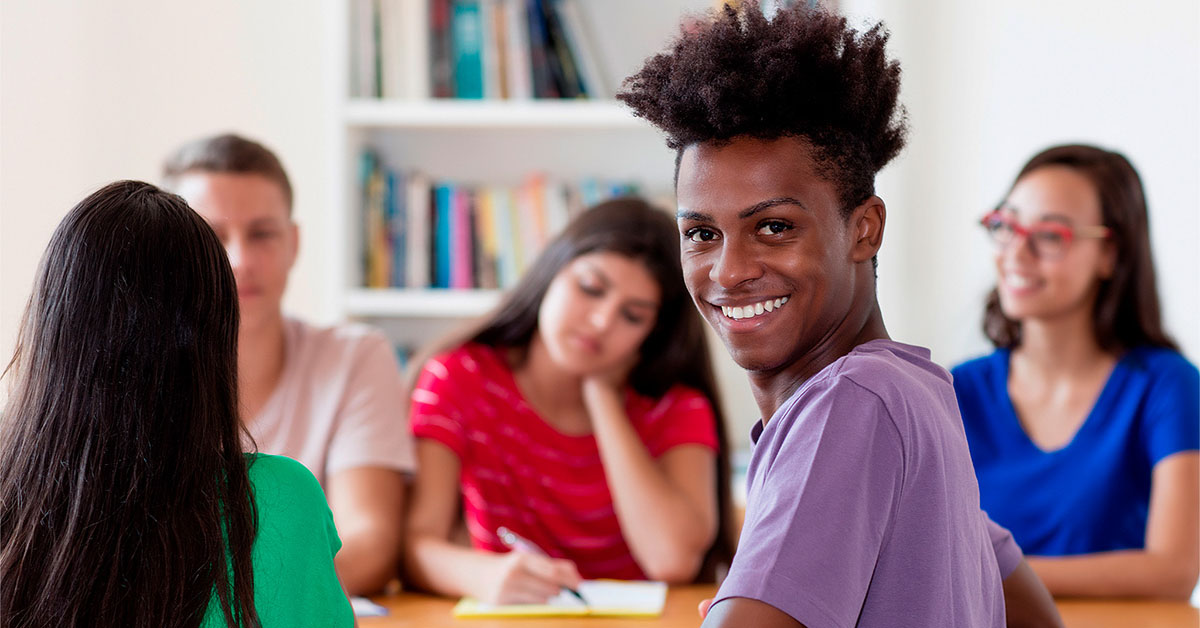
(610, 598)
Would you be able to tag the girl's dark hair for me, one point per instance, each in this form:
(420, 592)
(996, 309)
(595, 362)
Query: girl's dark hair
(1126, 313)
(124, 499)
(675, 351)
(804, 73)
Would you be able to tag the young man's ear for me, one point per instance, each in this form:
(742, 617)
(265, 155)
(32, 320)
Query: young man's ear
(866, 227)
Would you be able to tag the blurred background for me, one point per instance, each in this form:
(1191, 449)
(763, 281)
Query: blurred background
(93, 91)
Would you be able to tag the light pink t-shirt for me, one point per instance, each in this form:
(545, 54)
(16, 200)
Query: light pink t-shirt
(339, 403)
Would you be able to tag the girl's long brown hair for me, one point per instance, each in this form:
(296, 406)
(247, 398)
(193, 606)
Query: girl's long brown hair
(124, 495)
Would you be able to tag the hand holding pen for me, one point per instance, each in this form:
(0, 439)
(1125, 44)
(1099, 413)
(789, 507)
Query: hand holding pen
(528, 576)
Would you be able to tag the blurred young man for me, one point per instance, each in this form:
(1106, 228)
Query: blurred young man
(328, 397)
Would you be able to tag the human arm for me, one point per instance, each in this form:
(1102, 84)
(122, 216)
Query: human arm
(667, 507)
(741, 611)
(1027, 603)
(369, 454)
(1169, 564)
(368, 509)
(435, 563)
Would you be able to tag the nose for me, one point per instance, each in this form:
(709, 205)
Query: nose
(603, 315)
(235, 249)
(735, 265)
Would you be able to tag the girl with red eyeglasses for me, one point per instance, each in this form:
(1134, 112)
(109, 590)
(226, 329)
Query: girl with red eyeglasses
(1084, 424)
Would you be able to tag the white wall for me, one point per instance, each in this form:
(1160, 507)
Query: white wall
(94, 91)
(987, 85)
(91, 92)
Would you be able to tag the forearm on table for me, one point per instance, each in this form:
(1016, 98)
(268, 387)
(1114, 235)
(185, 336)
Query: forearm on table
(440, 566)
(666, 532)
(1126, 573)
(368, 560)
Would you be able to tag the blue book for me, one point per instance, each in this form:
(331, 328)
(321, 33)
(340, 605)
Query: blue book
(397, 213)
(466, 34)
(443, 200)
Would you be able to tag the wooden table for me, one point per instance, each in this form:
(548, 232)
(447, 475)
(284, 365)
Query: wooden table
(411, 610)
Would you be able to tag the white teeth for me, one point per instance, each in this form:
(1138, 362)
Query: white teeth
(1017, 281)
(750, 311)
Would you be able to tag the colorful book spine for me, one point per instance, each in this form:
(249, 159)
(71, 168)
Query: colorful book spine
(467, 49)
(443, 198)
(397, 227)
(441, 68)
(419, 246)
(462, 263)
(518, 66)
(487, 243)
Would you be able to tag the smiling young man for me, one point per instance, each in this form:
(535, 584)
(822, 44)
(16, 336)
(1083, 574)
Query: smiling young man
(862, 505)
(329, 397)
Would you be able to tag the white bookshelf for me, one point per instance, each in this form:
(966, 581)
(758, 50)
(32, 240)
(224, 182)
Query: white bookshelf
(470, 141)
(374, 303)
(485, 114)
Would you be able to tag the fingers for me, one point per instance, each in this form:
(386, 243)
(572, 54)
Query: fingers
(529, 591)
(555, 571)
(533, 579)
(703, 608)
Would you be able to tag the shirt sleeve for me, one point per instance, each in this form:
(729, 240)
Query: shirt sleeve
(818, 518)
(1171, 422)
(434, 412)
(370, 426)
(1008, 553)
(683, 416)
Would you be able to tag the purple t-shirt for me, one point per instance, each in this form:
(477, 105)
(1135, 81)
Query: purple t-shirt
(862, 507)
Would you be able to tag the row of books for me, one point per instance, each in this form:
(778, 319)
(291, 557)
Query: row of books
(496, 49)
(422, 233)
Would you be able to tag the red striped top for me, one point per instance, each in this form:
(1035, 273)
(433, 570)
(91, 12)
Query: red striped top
(520, 472)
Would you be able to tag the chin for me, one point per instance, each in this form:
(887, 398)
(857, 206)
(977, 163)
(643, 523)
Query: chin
(753, 361)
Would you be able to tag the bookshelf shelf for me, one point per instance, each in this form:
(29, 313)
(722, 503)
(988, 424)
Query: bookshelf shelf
(484, 114)
(437, 303)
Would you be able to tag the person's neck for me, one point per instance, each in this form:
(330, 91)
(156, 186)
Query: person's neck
(1059, 347)
(772, 388)
(260, 363)
(544, 383)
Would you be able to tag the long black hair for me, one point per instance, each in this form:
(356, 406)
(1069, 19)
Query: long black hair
(124, 496)
(674, 352)
(1126, 313)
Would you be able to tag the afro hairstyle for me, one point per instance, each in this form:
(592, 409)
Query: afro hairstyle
(804, 73)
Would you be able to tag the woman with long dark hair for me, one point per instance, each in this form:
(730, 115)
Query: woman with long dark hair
(1083, 424)
(126, 499)
(579, 424)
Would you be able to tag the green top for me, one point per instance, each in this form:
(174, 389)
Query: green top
(294, 580)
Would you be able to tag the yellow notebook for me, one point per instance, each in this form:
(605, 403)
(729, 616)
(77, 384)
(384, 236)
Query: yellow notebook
(605, 598)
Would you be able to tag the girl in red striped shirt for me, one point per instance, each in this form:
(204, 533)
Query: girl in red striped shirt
(581, 415)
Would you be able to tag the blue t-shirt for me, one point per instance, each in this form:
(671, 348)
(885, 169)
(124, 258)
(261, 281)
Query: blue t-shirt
(1093, 494)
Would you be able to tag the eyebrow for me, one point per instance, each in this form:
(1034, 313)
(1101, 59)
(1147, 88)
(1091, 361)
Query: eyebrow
(608, 282)
(1005, 207)
(760, 206)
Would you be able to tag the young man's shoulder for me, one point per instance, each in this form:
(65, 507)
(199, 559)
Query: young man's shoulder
(332, 339)
(887, 368)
